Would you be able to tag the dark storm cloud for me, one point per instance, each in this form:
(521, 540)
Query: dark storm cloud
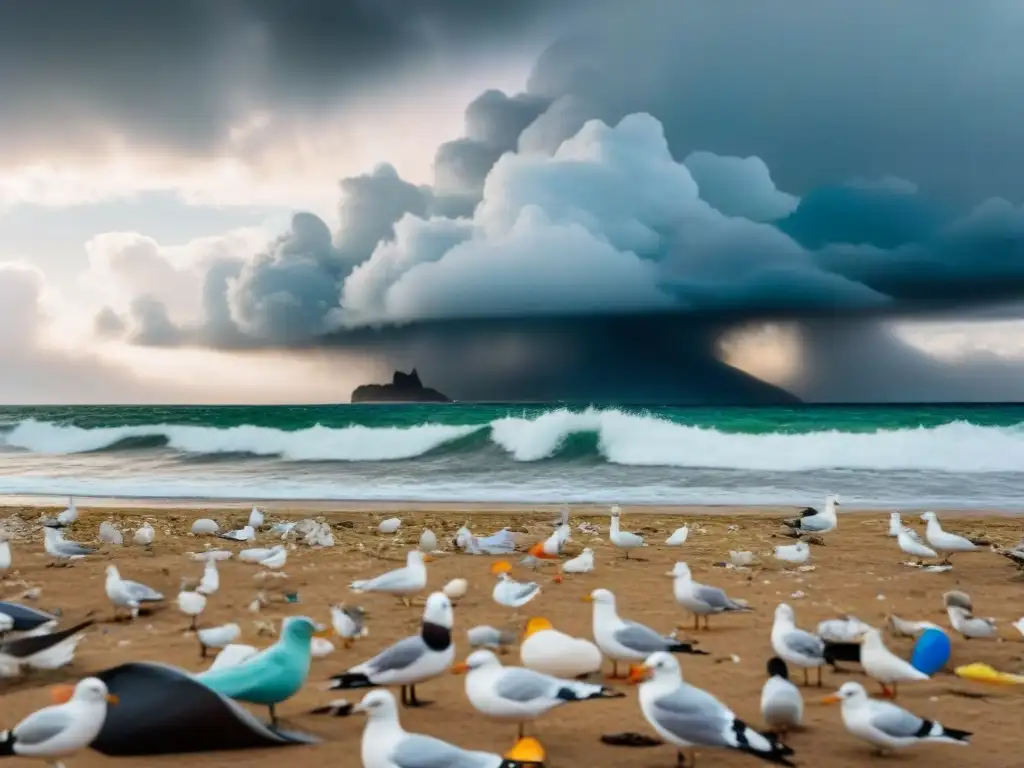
(180, 74)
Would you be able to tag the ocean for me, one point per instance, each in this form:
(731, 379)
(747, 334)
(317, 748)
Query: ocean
(873, 456)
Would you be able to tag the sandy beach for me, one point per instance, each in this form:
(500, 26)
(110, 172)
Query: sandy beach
(858, 571)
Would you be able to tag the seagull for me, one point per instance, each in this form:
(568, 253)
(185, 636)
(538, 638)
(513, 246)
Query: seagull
(910, 543)
(275, 561)
(401, 582)
(545, 649)
(284, 529)
(518, 694)
(386, 744)
(687, 717)
(895, 525)
(69, 515)
(582, 563)
(886, 725)
(61, 730)
(219, 637)
(903, 628)
(255, 519)
(390, 525)
(678, 537)
(144, 535)
(622, 539)
(128, 594)
(698, 599)
(623, 640)
(412, 660)
(782, 705)
(5, 554)
(347, 622)
(210, 582)
(61, 549)
(191, 603)
(245, 533)
(47, 650)
(883, 665)
(795, 646)
(428, 541)
(510, 593)
(943, 541)
(819, 522)
(456, 589)
(486, 636)
(798, 553)
(970, 626)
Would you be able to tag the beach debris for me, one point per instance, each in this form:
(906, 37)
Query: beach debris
(678, 537)
(204, 526)
(428, 541)
(334, 708)
(391, 525)
(320, 647)
(741, 559)
(455, 589)
(109, 534)
(211, 554)
(144, 535)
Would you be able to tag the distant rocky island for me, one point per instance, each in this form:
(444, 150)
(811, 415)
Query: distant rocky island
(404, 388)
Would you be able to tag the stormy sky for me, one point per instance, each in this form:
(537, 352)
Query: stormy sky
(699, 202)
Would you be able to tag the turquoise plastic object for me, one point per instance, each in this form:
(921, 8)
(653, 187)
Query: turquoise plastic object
(931, 651)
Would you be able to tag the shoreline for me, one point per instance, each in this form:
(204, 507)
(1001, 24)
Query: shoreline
(126, 504)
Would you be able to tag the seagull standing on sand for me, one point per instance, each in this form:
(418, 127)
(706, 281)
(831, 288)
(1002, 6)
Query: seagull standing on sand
(884, 666)
(782, 705)
(795, 646)
(191, 603)
(699, 599)
(886, 725)
(817, 523)
(386, 744)
(217, 637)
(623, 539)
(348, 623)
(255, 519)
(678, 537)
(128, 594)
(69, 515)
(210, 582)
(582, 563)
(62, 550)
(245, 533)
(687, 717)
(58, 731)
(969, 625)
(517, 694)
(895, 524)
(911, 544)
(623, 640)
(401, 582)
(943, 541)
(412, 660)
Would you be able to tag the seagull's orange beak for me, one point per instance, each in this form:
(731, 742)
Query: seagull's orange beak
(328, 632)
(112, 699)
(638, 673)
(833, 699)
(501, 566)
(460, 668)
(588, 599)
(428, 559)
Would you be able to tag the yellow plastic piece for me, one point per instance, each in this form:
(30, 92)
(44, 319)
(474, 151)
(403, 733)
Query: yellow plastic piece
(527, 750)
(983, 673)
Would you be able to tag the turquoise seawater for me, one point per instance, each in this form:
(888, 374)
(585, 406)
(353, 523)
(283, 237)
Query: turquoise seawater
(911, 456)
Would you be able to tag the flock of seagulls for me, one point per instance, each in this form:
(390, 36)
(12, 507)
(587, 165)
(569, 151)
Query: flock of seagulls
(556, 669)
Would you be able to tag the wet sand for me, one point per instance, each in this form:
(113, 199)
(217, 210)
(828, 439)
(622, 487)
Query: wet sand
(858, 571)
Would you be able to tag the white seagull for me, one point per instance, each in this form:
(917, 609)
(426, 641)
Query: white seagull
(69, 515)
(623, 539)
(386, 744)
(412, 660)
(943, 541)
(798, 553)
(517, 694)
(582, 563)
(191, 603)
(109, 534)
(969, 625)
(219, 637)
(128, 594)
(884, 666)
(486, 636)
(678, 537)
(895, 524)
(55, 732)
(255, 519)
(348, 623)
(61, 549)
(210, 582)
(686, 716)
(886, 725)
(259, 554)
(699, 599)
(510, 593)
(401, 582)
(818, 522)
(848, 629)
(623, 640)
(795, 646)
(782, 704)
(5, 554)
(910, 543)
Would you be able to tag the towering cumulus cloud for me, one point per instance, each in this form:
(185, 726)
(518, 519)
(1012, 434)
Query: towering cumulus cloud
(669, 174)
